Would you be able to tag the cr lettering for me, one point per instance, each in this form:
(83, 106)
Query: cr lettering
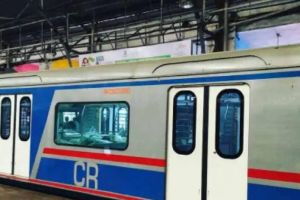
(86, 174)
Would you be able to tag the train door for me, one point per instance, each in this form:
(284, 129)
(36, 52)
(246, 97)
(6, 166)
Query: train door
(207, 154)
(15, 130)
(184, 162)
(7, 108)
(21, 165)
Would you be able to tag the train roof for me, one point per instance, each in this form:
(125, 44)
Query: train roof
(223, 62)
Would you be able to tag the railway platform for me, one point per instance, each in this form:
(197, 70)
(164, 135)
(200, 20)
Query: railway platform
(16, 193)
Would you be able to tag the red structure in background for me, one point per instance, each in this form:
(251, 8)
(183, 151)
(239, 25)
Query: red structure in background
(32, 67)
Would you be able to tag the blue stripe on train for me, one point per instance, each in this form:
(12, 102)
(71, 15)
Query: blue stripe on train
(135, 182)
(42, 99)
(263, 192)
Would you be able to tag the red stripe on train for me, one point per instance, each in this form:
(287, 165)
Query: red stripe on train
(274, 175)
(107, 157)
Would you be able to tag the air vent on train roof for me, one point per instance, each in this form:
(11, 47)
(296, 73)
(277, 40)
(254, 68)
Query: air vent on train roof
(220, 65)
(20, 81)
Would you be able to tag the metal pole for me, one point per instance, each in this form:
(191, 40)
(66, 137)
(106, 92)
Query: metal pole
(42, 39)
(42, 4)
(225, 24)
(20, 36)
(67, 28)
(93, 39)
(202, 40)
(125, 26)
(7, 57)
(1, 42)
(92, 42)
(161, 22)
(67, 41)
(203, 9)
(51, 42)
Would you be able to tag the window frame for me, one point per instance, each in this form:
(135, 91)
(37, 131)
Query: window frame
(91, 102)
(174, 124)
(19, 128)
(217, 134)
(1, 126)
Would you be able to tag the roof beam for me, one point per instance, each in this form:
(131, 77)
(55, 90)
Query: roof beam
(28, 4)
(65, 45)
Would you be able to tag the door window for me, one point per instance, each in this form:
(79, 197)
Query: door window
(5, 118)
(229, 138)
(184, 122)
(25, 118)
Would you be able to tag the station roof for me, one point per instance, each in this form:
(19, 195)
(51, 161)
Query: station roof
(45, 30)
(18, 18)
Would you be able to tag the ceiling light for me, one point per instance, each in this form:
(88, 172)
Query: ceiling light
(186, 4)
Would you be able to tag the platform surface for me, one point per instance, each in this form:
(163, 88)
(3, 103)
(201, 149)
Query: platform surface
(15, 193)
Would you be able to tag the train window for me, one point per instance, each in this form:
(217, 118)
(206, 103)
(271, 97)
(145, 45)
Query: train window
(229, 130)
(24, 118)
(5, 118)
(98, 125)
(184, 122)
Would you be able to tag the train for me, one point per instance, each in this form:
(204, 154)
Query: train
(210, 127)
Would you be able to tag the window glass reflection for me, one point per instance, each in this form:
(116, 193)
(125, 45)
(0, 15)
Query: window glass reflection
(100, 125)
(229, 123)
(184, 122)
